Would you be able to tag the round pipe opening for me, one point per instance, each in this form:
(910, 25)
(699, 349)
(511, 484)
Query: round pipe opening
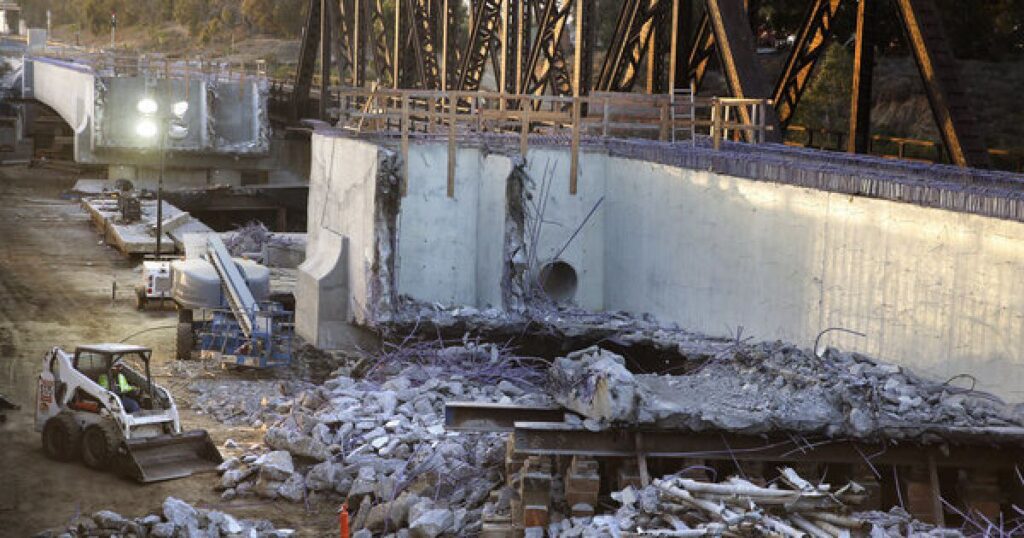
(559, 281)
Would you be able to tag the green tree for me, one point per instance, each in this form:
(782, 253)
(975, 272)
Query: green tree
(826, 103)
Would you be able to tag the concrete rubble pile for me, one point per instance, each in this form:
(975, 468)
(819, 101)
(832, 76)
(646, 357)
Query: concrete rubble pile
(379, 441)
(676, 506)
(255, 241)
(176, 518)
(774, 387)
(245, 402)
(568, 324)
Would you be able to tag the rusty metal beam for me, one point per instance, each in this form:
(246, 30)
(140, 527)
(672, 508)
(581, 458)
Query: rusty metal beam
(637, 25)
(811, 41)
(701, 52)
(859, 140)
(381, 47)
(941, 78)
(493, 417)
(546, 63)
(423, 24)
(308, 51)
(735, 44)
(553, 438)
(485, 22)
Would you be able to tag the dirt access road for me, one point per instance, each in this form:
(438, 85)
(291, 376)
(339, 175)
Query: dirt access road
(55, 289)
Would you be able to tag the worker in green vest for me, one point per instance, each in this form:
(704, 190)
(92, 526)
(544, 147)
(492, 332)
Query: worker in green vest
(123, 388)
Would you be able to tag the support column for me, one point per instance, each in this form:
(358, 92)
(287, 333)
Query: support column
(859, 140)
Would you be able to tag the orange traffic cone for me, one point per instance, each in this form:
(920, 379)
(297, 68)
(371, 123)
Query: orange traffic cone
(343, 520)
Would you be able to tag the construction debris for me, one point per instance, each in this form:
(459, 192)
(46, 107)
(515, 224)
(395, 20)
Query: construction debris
(775, 387)
(176, 518)
(374, 434)
(794, 507)
(256, 242)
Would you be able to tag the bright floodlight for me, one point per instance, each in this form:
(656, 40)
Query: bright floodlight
(147, 106)
(180, 108)
(146, 129)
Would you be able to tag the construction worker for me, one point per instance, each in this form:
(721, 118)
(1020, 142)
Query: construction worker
(123, 389)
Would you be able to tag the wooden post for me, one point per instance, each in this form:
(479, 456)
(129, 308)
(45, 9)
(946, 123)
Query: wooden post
(405, 145)
(451, 148)
(605, 119)
(716, 123)
(575, 150)
(763, 121)
(663, 131)
(577, 67)
(577, 61)
(524, 129)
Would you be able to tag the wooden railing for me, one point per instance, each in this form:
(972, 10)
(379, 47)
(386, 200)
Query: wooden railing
(894, 147)
(408, 112)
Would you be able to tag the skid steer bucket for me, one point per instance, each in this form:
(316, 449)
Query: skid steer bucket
(171, 456)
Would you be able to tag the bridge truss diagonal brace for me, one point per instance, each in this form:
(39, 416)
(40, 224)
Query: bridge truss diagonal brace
(735, 44)
(638, 22)
(811, 41)
(941, 78)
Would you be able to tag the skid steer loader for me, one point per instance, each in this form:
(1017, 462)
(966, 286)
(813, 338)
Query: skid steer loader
(82, 404)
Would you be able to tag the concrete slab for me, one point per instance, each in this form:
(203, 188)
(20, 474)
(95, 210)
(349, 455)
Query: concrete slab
(139, 237)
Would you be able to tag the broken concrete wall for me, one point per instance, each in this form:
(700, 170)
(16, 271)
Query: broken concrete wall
(225, 119)
(334, 283)
(70, 91)
(933, 289)
(562, 216)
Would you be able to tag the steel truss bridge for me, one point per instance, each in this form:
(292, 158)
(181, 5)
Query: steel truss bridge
(547, 47)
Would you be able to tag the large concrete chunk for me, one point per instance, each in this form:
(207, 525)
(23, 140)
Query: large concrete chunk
(596, 384)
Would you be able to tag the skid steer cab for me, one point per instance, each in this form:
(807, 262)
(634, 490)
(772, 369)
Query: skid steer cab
(100, 404)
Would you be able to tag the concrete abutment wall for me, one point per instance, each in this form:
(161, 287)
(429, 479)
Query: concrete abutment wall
(935, 290)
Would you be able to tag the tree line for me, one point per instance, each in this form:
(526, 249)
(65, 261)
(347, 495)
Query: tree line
(988, 29)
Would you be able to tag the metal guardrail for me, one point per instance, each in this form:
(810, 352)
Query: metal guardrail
(109, 63)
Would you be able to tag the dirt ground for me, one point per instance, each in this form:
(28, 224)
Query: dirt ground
(56, 279)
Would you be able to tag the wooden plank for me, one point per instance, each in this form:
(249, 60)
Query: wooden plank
(405, 146)
(575, 149)
(451, 149)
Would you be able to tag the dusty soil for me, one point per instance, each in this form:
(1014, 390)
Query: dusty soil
(56, 278)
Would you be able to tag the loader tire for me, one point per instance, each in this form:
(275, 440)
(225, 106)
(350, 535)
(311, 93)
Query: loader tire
(61, 438)
(99, 445)
(183, 342)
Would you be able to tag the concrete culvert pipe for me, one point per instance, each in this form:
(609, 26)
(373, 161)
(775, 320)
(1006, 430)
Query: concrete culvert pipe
(558, 280)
